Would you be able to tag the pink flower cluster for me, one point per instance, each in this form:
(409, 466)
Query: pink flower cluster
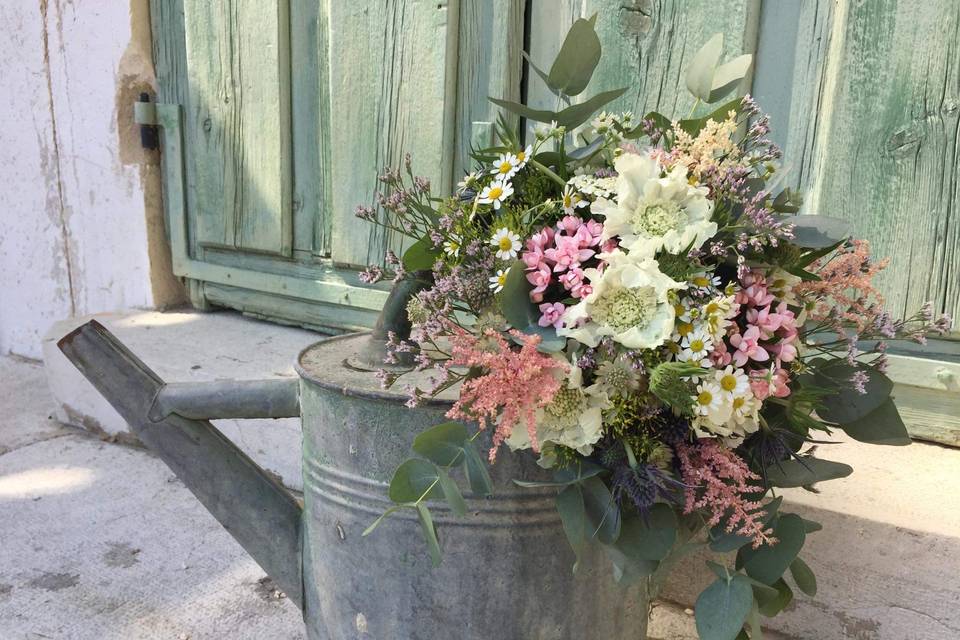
(716, 480)
(767, 340)
(555, 255)
(518, 382)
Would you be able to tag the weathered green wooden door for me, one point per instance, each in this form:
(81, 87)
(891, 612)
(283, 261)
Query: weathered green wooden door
(290, 107)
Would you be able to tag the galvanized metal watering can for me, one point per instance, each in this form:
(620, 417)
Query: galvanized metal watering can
(507, 566)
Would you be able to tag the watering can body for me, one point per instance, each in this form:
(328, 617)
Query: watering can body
(506, 570)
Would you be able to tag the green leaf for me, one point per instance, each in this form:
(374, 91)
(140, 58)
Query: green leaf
(723, 542)
(803, 576)
(846, 404)
(816, 231)
(811, 526)
(573, 515)
(515, 298)
(727, 76)
(574, 65)
(575, 115)
(883, 425)
(771, 604)
(768, 563)
(566, 477)
(603, 513)
(722, 609)
(650, 540)
(412, 479)
(550, 342)
(702, 66)
(477, 473)
(376, 523)
(693, 126)
(805, 472)
(429, 534)
(628, 570)
(420, 255)
(540, 72)
(451, 492)
(537, 115)
(443, 444)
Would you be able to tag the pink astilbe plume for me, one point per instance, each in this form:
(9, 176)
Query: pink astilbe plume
(515, 385)
(722, 479)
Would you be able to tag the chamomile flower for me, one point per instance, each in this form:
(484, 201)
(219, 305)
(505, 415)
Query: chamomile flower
(716, 315)
(523, 156)
(710, 405)
(469, 181)
(734, 382)
(451, 245)
(744, 411)
(507, 243)
(498, 281)
(571, 200)
(697, 346)
(705, 283)
(495, 193)
(505, 167)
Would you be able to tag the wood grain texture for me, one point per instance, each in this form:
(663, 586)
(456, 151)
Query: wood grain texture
(879, 83)
(387, 87)
(489, 65)
(238, 69)
(646, 46)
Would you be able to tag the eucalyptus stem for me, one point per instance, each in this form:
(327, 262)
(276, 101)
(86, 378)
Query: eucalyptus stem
(547, 172)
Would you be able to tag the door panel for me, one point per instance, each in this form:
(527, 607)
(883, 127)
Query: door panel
(238, 73)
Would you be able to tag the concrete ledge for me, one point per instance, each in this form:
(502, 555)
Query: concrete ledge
(186, 346)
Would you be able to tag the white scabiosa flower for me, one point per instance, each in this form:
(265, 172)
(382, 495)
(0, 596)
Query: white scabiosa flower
(654, 213)
(495, 193)
(507, 243)
(573, 418)
(498, 281)
(505, 167)
(629, 302)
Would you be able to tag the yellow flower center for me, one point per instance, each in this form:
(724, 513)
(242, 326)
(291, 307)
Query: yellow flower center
(738, 402)
(495, 193)
(684, 328)
(705, 398)
(502, 279)
(696, 345)
(701, 281)
(505, 243)
(521, 156)
(505, 167)
(728, 383)
(679, 309)
(711, 308)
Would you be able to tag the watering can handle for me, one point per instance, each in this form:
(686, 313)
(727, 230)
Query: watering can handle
(257, 511)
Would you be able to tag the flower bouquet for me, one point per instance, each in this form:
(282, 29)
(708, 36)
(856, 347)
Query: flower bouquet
(635, 302)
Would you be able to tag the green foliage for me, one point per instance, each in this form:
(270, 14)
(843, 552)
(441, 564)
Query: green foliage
(722, 541)
(578, 57)
(883, 425)
(668, 384)
(805, 471)
(871, 417)
(603, 512)
(443, 444)
(771, 603)
(415, 480)
(429, 534)
(803, 576)
(420, 255)
(570, 117)
(767, 563)
(817, 232)
(573, 515)
(677, 266)
(709, 80)
(723, 607)
(522, 314)
(649, 539)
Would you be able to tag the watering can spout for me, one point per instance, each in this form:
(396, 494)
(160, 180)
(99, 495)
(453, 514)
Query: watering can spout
(172, 419)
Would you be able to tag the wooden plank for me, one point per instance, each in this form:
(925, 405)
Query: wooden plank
(646, 46)
(238, 68)
(883, 80)
(388, 65)
(489, 65)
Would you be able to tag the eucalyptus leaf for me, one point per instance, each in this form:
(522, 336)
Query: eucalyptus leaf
(805, 472)
(722, 609)
(383, 516)
(768, 562)
(578, 57)
(443, 444)
(586, 151)
(628, 570)
(803, 576)
(540, 72)
(883, 425)
(847, 404)
(573, 515)
(515, 298)
(567, 476)
(651, 539)
(413, 479)
(811, 526)
(603, 512)
(772, 604)
(575, 115)
(537, 115)
(477, 472)
(693, 126)
(816, 231)
(451, 493)
(429, 534)
(420, 255)
(727, 76)
(702, 66)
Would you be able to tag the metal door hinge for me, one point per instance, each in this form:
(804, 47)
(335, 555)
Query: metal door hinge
(145, 114)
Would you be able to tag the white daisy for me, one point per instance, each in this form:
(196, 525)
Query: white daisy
(505, 167)
(711, 406)
(507, 243)
(705, 283)
(523, 156)
(498, 281)
(716, 315)
(571, 200)
(469, 180)
(734, 382)
(451, 245)
(495, 193)
(697, 346)
(744, 412)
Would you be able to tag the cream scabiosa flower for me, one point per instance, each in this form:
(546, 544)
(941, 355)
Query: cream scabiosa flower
(653, 213)
(573, 418)
(629, 302)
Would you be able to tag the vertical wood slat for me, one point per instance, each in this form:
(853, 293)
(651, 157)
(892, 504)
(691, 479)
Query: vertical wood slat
(387, 65)
(874, 126)
(646, 46)
(238, 68)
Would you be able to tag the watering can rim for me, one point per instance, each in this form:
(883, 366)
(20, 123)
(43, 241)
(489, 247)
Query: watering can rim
(330, 380)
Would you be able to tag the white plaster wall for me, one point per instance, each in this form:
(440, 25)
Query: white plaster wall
(76, 193)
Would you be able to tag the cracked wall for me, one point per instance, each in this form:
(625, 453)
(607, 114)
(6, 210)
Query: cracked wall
(81, 223)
